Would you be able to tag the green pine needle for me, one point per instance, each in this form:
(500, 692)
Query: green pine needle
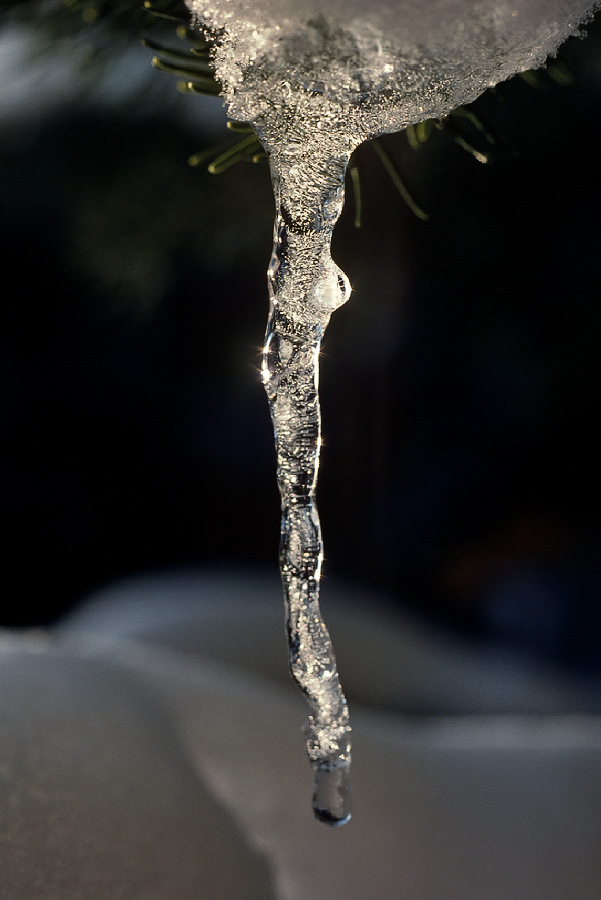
(398, 181)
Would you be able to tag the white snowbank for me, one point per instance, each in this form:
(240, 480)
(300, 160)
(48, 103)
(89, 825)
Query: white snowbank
(150, 749)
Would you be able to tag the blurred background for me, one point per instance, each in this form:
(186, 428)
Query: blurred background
(461, 384)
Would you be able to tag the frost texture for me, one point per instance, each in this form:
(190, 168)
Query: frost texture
(316, 79)
(385, 65)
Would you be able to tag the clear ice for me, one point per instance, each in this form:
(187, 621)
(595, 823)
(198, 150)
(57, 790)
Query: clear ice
(305, 287)
(315, 80)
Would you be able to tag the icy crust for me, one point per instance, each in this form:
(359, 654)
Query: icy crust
(376, 67)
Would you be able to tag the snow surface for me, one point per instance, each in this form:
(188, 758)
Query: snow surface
(424, 58)
(149, 750)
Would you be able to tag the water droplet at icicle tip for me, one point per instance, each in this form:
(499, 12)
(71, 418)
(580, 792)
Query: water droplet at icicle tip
(331, 795)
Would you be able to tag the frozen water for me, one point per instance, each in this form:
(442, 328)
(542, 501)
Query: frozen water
(382, 65)
(316, 79)
(305, 286)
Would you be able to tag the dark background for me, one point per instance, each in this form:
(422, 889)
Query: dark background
(460, 384)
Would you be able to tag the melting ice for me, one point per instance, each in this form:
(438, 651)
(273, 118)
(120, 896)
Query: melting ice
(315, 79)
